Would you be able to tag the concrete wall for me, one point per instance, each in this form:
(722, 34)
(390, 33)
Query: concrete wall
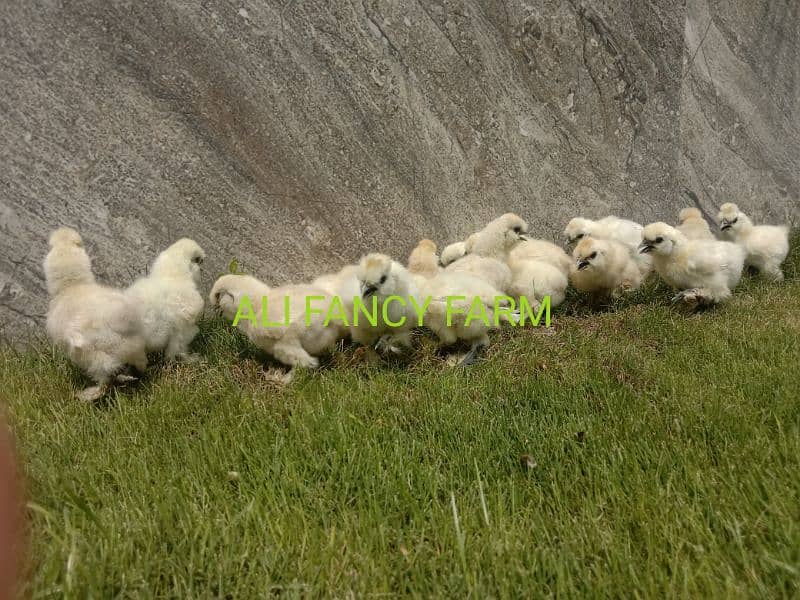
(296, 135)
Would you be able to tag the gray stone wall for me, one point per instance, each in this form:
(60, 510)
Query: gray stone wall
(296, 135)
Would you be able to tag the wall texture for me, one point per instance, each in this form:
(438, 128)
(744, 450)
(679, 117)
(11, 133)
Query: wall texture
(296, 135)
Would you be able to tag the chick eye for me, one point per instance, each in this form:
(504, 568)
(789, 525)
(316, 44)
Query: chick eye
(659, 239)
(198, 260)
(734, 221)
(517, 229)
(593, 255)
(579, 236)
(383, 279)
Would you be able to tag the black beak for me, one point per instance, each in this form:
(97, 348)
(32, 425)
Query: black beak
(725, 226)
(369, 291)
(645, 248)
(582, 264)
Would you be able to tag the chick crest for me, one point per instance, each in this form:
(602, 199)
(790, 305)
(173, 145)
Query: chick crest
(67, 264)
(423, 260)
(181, 259)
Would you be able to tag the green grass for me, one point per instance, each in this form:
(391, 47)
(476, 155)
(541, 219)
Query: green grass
(635, 450)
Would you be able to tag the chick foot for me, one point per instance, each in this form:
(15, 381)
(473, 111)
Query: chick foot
(91, 394)
(472, 356)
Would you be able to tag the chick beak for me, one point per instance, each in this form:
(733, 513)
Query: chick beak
(725, 225)
(645, 247)
(582, 264)
(523, 237)
(367, 290)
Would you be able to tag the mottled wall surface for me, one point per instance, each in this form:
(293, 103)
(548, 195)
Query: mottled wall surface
(296, 135)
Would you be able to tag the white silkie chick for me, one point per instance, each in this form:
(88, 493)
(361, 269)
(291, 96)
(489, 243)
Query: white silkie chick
(381, 277)
(766, 245)
(97, 326)
(423, 263)
(705, 271)
(542, 251)
(169, 301)
(623, 231)
(450, 284)
(693, 225)
(535, 279)
(603, 267)
(488, 251)
(286, 335)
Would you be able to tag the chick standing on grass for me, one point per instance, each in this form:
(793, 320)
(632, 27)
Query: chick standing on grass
(705, 271)
(381, 277)
(693, 225)
(488, 251)
(475, 331)
(169, 301)
(603, 267)
(98, 327)
(296, 344)
(766, 245)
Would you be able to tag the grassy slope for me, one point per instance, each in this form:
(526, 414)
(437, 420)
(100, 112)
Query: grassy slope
(666, 451)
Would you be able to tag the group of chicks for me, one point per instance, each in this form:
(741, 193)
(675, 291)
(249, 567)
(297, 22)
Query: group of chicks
(105, 331)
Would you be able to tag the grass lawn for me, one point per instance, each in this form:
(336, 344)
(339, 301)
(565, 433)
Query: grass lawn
(635, 450)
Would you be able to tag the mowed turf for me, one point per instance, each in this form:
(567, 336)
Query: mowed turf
(631, 450)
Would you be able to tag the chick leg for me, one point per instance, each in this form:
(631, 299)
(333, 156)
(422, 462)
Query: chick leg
(91, 394)
(289, 351)
(703, 296)
(178, 345)
(103, 368)
(772, 271)
(474, 354)
(394, 343)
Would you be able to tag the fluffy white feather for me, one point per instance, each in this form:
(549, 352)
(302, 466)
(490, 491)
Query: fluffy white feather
(169, 301)
(536, 279)
(452, 253)
(704, 271)
(98, 327)
(541, 251)
(766, 245)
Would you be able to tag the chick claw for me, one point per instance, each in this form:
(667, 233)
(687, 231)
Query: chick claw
(91, 394)
(384, 346)
(690, 296)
